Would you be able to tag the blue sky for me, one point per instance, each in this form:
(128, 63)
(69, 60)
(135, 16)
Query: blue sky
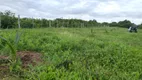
(101, 10)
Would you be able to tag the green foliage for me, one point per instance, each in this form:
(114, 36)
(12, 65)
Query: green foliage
(125, 24)
(92, 53)
(140, 26)
(12, 48)
(8, 20)
(114, 24)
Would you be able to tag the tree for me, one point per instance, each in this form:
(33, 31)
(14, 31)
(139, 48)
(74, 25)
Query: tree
(124, 24)
(140, 26)
(105, 24)
(113, 24)
(26, 23)
(8, 20)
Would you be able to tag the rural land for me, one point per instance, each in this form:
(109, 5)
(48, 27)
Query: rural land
(68, 49)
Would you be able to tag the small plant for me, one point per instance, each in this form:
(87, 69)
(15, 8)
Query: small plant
(14, 60)
(11, 47)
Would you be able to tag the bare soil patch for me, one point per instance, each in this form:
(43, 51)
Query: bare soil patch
(27, 58)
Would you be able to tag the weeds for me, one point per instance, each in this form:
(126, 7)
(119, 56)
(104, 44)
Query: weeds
(94, 54)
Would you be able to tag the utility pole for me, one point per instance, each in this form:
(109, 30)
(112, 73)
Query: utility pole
(19, 21)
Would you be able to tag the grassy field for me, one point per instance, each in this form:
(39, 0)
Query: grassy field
(79, 53)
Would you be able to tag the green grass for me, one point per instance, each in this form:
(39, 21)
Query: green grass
(96, 53)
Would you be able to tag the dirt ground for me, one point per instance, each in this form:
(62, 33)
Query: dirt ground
(26, 57)
(29, 58)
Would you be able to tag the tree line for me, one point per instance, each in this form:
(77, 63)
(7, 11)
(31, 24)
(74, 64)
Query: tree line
(8, 20)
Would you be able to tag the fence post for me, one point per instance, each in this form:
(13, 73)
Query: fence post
(49, 23)
(19, 21)
(57, 24)
(33, 22)
(0, 20)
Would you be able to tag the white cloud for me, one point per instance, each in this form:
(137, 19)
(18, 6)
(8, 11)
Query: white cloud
(101, 10)
(109, 7)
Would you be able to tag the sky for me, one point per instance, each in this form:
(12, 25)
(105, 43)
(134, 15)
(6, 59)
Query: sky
(100, 10)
